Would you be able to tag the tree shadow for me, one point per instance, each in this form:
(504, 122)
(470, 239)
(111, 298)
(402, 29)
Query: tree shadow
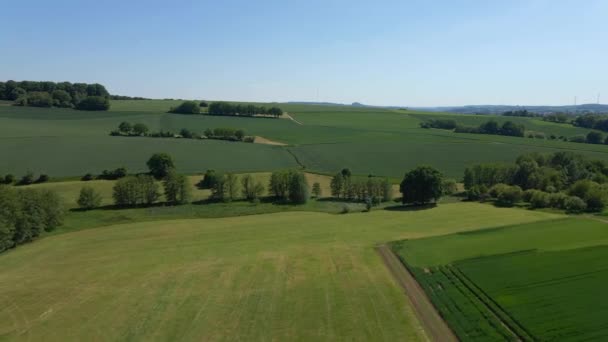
(411, 207)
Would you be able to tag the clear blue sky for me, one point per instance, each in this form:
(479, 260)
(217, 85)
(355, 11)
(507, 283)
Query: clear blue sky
(413, 53)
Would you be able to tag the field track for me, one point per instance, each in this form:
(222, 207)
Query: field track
(435, 327)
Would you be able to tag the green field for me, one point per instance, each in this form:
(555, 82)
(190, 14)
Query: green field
(284, 276)
(540, 281)
(69, 143)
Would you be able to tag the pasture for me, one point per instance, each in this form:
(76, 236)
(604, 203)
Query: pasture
(68, 143)
(538, 281)
(283, 276)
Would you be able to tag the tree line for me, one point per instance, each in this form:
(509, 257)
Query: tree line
(225, 108)
(26, 213)
(561, 180)
(363, 189)
(141, 130)
(508, 128)
(80, 96)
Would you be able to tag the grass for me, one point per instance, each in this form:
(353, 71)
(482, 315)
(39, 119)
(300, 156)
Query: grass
(367, 140)
(539, 281)
(282, 276)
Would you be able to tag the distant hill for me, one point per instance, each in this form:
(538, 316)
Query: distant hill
(498, 109)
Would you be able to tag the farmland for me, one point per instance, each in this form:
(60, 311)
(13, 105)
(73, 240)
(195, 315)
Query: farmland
(282, 276)
(367, 140)
(538, 281)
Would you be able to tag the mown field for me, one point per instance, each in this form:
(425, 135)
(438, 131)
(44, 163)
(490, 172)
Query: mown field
(539, 281)
(283, 276)
(68, 143)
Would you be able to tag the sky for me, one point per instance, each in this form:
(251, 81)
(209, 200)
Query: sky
(405, 53)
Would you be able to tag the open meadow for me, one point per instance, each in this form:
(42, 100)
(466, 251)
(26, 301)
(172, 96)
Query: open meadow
(283, 276)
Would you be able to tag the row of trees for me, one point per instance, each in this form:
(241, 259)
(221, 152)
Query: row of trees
(25, 214)
(27, 179)
(140, 129)
(366, 189)
(560, 173)
(50, 94)
(225, 108)
(508, 128)
(594, 121)
(520, 113)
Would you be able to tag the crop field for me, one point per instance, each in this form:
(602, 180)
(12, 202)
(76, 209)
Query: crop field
(326, 139)
(538, 281)
(283, 276)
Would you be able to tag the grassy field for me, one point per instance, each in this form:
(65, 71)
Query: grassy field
(367, 140)
(539, 281)
(284, 276)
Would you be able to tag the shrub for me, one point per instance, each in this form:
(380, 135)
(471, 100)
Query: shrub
(450, 187)
(540, 199)
(249, 139)
(160, 164)
(9, 179)
(94, 103)
(43, 178)
(574, 204)
(39, 99)
(87, 177)
(595, 138)
(27, 179)
(509, 195)
(125, 127)
(88, 198)
(187, 107)
(140, 129)
(208, 181)
(578, 139)
(558, 200)
(203, 104)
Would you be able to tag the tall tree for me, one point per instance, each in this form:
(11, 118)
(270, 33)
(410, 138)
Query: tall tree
(160, 164)
(422, 185)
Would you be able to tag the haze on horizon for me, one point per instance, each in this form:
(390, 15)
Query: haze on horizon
(407, 53)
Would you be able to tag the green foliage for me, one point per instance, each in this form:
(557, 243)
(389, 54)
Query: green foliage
(449, 186)
(252, 189)
(26, 214)
(232, 186)
(316, 190)
(595, 138)
(225, 108)
(160, 164)
(187, 107)
(422, 185)
(88, 198)
(140, 129)
(209, 180)
(27, 179)
(39, 99)
(289, 186)
(125, 127)
(177, 188)
(62, 99)
(94, 103)
(137, 190)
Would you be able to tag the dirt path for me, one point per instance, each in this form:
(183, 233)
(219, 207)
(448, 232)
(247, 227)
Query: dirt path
(262, 140)
(435, 327)
(287, 116)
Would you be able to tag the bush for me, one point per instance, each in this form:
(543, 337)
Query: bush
(39, 99)
(160, 164)
(140, 129)
(595, 138)
(477, 192)
(203, 104)
(88, 198)
(209, 180)
(558, 200)
(135, 190)
(187, 107)
(94, 103)
(87, 177)
(450, 187)
(578, 139)
(509, 195)
(540, 199)
(27, 179)
(177, 188)
(43, 179)
(8, 179)
(574, 204)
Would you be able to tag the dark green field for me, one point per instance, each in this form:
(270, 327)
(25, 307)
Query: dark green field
(541, 281)
(68, 143)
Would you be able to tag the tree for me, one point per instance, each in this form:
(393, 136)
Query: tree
(177, 188)
(135, 190)
(298, 188)
(94, 103)
(53, 209)
(316, 190)
(346, 173)
(279, 184)
(140, 129)
(387, 190)
(187, 107)
(17, 93)
(218, 189)
(422, 185)
(209, 180)
(185, 133)
(27, 179)
(39, 99)
(203, 104)
(61, 98)
(43, 178)
(595, 138)
(160, 164)
(512, 129)
(239, 134)
(8, 217)
(8, 179)
(88, 198)
(337, 185)
(449, 187)
(125, 127)
(252, 190)
(232, 186)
